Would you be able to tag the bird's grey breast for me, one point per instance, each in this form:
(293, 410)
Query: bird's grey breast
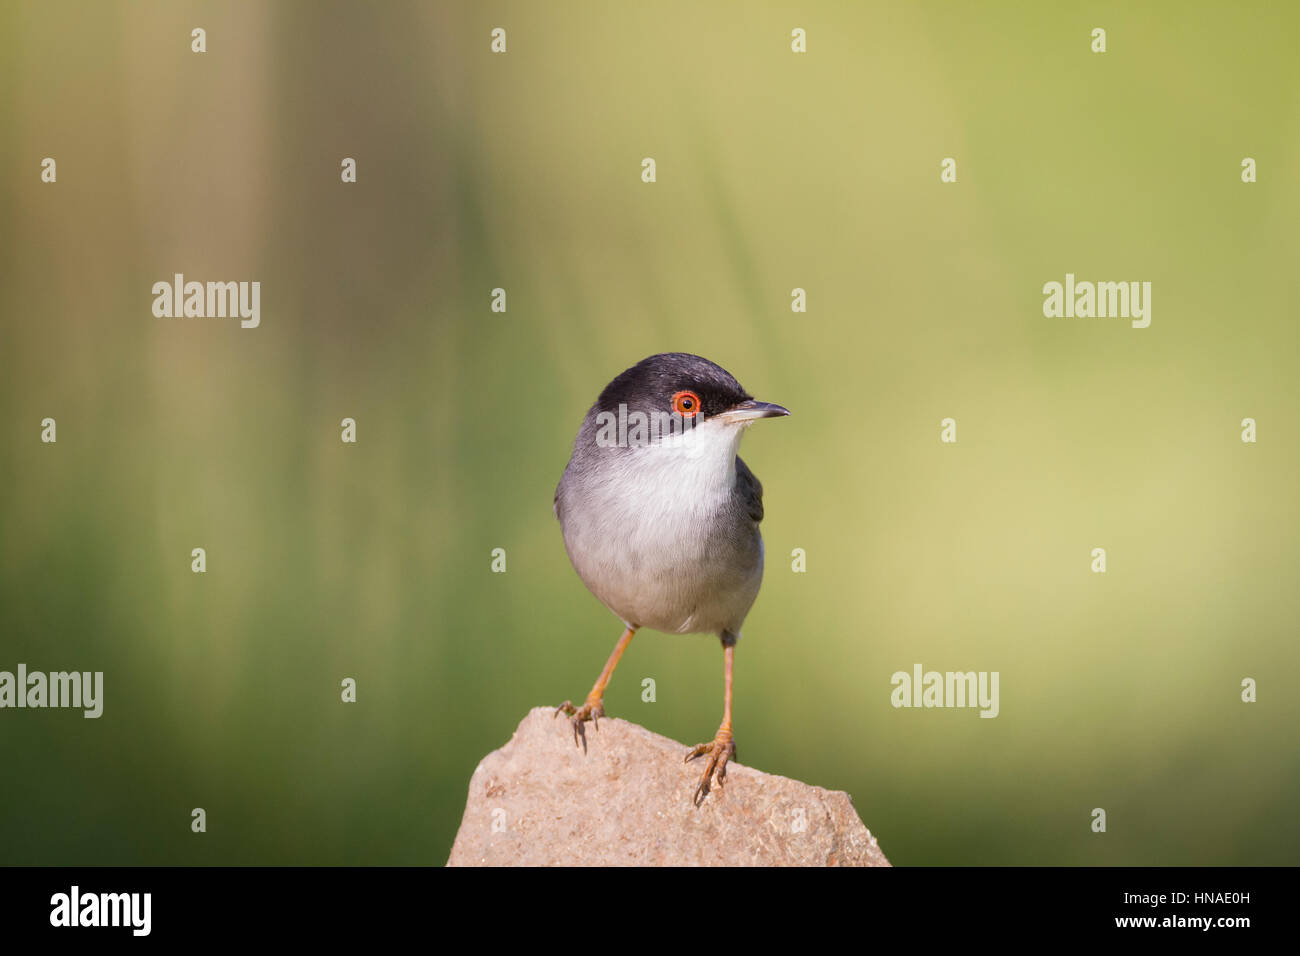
(666, 538)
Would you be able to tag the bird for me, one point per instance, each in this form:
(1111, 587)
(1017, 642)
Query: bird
(660, 518)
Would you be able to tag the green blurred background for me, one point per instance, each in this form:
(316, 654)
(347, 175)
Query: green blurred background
(775, 170)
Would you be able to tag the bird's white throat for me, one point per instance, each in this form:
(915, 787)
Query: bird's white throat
(694, 471)
(698, 464)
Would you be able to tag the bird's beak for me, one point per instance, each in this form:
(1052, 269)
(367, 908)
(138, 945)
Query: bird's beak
(751, 411)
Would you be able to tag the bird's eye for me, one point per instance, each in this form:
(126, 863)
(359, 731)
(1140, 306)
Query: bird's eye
(686, 404)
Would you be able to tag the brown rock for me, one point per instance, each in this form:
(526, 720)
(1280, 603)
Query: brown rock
(539, 801)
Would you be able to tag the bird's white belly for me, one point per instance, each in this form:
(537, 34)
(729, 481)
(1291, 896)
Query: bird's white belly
(645, 542)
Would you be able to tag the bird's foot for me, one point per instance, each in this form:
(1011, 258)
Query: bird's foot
(592, 710)
(721, 749)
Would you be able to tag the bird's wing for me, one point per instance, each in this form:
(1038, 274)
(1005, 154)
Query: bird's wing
(750, 489)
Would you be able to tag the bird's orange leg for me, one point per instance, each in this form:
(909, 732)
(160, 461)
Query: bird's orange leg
(594, 708)
(723, 747)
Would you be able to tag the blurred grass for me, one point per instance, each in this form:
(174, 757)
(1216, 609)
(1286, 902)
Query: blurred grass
(522, 171)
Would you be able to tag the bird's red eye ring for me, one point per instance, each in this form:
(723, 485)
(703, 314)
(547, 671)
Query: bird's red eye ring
(686, 404)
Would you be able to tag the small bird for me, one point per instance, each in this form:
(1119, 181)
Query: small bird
(660, 517)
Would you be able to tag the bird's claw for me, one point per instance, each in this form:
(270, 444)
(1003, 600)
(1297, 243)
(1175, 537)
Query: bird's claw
(592, 710)
(720, 750)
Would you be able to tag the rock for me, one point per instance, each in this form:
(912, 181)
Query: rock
(539, 801)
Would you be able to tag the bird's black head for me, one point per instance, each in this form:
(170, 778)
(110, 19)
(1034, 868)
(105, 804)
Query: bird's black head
(675, 383)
